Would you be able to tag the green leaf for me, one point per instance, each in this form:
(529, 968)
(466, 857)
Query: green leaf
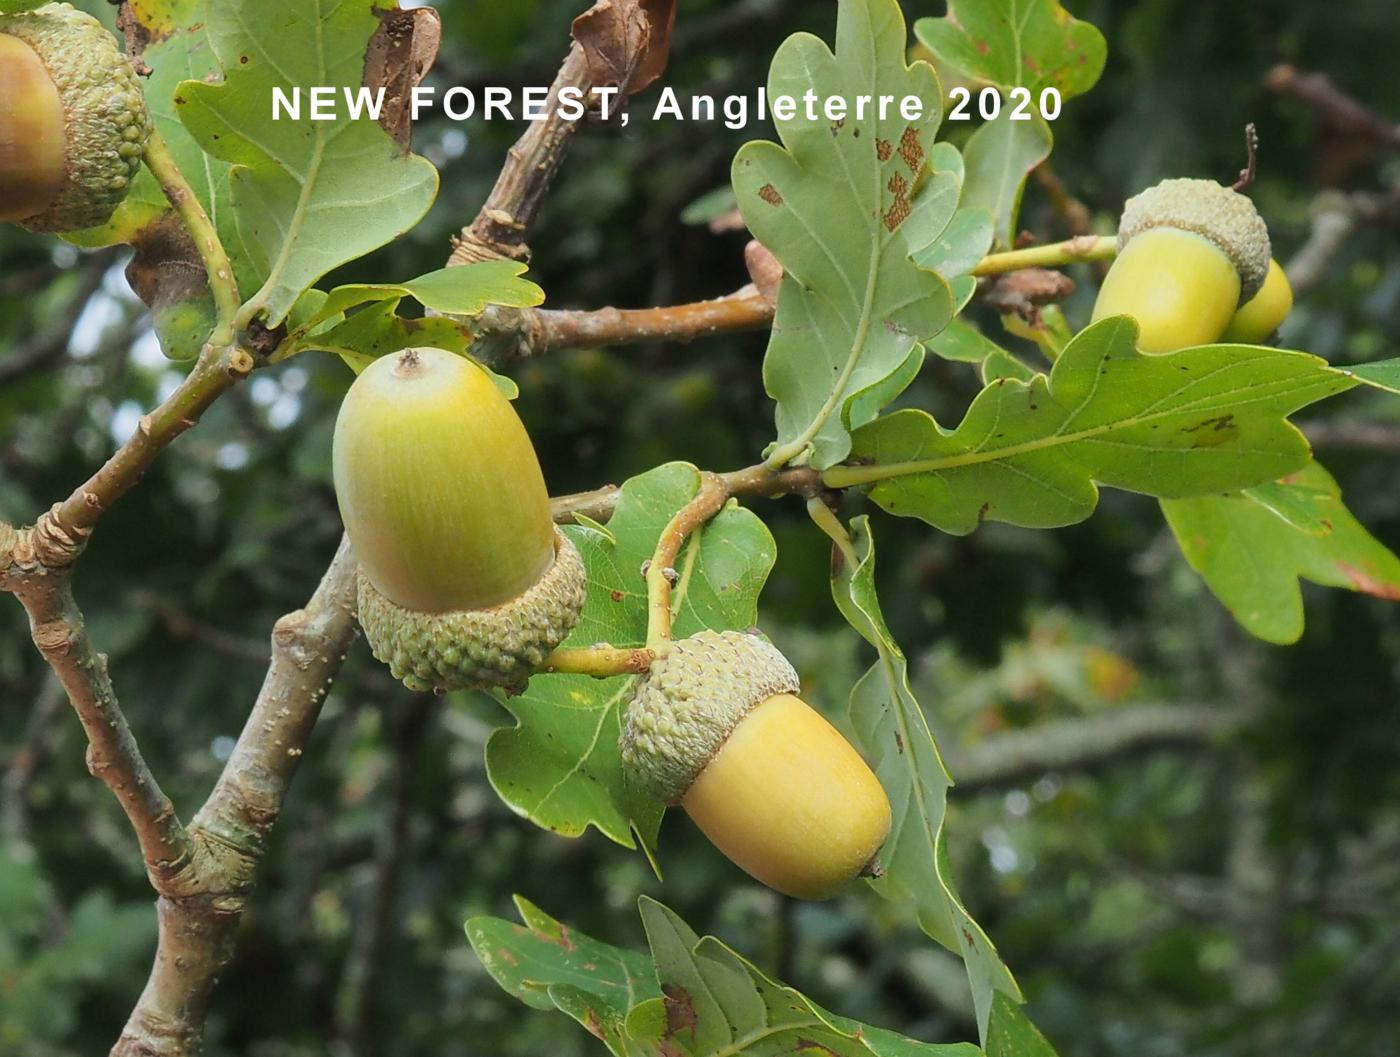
(1253, 547)
(695, 997)
(961, 342)
(843, 205)
(1011, 1033)
(463, 290)
(893, 732)
(1033, 43)
(560, 765)
(999, 156)
(547, 965)
(1382, 374)
(309, 195)
(962, 244)
(717, 1003)
(377, 331)
(1202, 420)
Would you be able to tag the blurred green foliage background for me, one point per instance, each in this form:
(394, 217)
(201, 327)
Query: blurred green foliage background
(1224, 896)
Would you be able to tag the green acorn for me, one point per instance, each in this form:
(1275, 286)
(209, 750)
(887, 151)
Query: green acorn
(717, 727)
(73, 120)
(464, 580)
(1258, 318)
(1190, 252)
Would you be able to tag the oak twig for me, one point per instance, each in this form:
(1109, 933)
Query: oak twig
(1340, 110)
(756, 481)
(60, 634)
(601, 662)
(201, 904)
(530, 167)
(1051, 255)
(1081, 743)
(661, 572)
(742, 310)
(1071, 210)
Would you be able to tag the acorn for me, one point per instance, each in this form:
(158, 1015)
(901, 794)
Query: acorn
(464, 580)
(717, 727)
(1190, 252)
(1258, 318)
(73, 120)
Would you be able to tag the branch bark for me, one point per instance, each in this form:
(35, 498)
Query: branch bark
(531, 164)
(201, 904)
(60, 634)
(1091, 741)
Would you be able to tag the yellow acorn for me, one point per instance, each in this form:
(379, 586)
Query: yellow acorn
(73, 120)
(1262, 314)
(1190, 252)
(717, 728)
(464, 581)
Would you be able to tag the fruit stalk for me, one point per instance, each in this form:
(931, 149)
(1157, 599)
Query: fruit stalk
(222, 282)
(713, 494)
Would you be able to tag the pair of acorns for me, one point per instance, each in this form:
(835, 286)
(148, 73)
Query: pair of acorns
(464, 581)
(1194, 267)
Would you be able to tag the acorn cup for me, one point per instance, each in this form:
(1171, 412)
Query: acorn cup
(464, 580)
(717, 728)
(1190, 252)
(73, 120)
(1260, 316)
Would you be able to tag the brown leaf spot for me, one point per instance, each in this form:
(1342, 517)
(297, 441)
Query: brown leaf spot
(504, 954)
(910, 149)
(897, 214)
(593, 1024)
(899, 210)
(616, 596)
(883, 149)
(1213, 431)
(1364, 582)
(899, 742)
(680, 1009)
(400, 54)
(770, 194)
(812, 1048)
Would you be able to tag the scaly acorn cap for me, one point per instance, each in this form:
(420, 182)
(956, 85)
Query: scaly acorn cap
(686, 707)
(500, 646)
(464, 580)
(1225, 217)
(106, 121)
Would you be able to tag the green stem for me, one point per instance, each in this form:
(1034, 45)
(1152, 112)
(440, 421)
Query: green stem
(826, 520)
(222, 283)
(713, 494)
(600, 662)
(1053, 255)
(1052, 333)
